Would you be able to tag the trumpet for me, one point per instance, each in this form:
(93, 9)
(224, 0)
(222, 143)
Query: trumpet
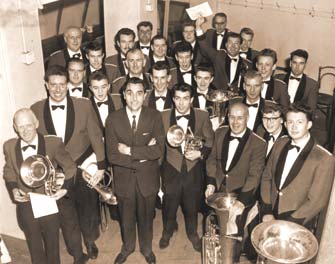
(176, 136)
(38, 170)
(106, 193)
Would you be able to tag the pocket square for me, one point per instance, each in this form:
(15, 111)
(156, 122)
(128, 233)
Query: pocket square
(145, 133)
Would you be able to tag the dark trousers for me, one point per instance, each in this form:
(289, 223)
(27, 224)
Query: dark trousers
(70, 225)
(87, 205)
(42, 235)
(136, 209)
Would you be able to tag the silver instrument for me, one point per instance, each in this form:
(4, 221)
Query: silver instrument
(106, 193)
(219, 247)
(176, 136)
(38, 170)
(281, 241)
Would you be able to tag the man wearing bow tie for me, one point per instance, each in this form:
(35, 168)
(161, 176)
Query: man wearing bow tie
(236, 162)
(300, 86)
(217, 36)
(76, 85)
(185, 70)
(73, 119)
(73, 39)
(246, 52)
(135, 144)
(273, 88)
(183, 169)
(228, 65)
(297, 179)
(95, 56)
(144, 32)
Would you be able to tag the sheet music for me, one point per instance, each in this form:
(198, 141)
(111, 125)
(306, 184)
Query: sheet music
(42, 205)
(203, 9)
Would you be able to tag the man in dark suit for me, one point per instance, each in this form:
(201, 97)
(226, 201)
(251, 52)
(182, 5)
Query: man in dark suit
(246, 52)
(300, 86)
(229, 67)
(236, 163)
(77, 86)
(144, 32)
(42, 233)
(183, 167)
(115, 65)
(273, 88)
(297, 179)
(160, 97)
(95, 56)
(73, 38)
(217, 36)
(74, 120)
(135, 143)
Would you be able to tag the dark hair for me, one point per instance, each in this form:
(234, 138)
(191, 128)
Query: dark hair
(161, 65)
(123, 31)
(134, 80)
(220, 14)
(144, 24)
(188, 24)
(299, 107)
(183, 87)
(206, 67)
(271, 107)
(98, 76)
(231, 34)
(182, 46)
(56, 70)
(156, 37)
(247, 31)
(268, 53)
(251, 74)
(94, 46)
(299, 53)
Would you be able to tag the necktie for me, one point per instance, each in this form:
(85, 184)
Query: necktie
(266, 82)
(101, 103)
(231, 138)
(269, 137)
(185, 116)
(252, 105)
(28, 146)
(145, 47)
(133, 125)
(54, 107)
(160, 97)
(293, 146)
(186, 72)
(295, 78)
(76, 88)
(76, 55)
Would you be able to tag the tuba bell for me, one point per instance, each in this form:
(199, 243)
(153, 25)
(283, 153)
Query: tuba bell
(106, 193)
(38, 170)
(285, 242)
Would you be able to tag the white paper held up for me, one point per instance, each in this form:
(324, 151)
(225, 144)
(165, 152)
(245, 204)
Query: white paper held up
(203, 9)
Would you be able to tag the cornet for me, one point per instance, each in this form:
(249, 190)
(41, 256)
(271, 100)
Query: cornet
(106, 193)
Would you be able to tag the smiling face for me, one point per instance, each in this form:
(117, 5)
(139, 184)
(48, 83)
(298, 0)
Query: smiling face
(272, 122)
(25, 124)
(134, 96)
(233, 46)
(203, 80)
(184, 59)
(135, 62)
(246, 41)
(76, 72)
(182, 101)
(159, 48)
(238, 118)
(265, 66)
(144, 34)
(297, 125)
(57, 87)
(160, 80)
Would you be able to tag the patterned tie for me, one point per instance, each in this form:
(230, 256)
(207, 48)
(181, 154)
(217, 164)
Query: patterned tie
(133, 125)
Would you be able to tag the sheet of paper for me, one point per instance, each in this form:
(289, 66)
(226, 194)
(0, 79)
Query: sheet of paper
(199, 10)
(42, 205)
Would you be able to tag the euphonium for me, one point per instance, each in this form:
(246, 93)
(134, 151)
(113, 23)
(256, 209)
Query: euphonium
(38, 170)
(106, 193)
(176, 136)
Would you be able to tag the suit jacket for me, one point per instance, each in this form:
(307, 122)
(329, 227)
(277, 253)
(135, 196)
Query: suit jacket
(251, 54)
(111, 108)
(47, 145)
(180, 78)
(62, 57)
(151, 101)
(277, 91)
(82, 128)
(118, 84)
(211, 38)
(307, 187)
(198, 57)
(307, 90)
(114, 67)
(167, 60)
(209, 104)
(142, 167)
(221, 63)
(246, 167)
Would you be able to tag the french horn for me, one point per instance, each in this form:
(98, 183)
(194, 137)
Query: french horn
(37, 170)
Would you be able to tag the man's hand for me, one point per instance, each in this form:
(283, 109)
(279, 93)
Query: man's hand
(199, 22)
(209, 190)
(59, 194)
(237, 207)
(268, 218)
(124, 149)
(152, 142)
(97, 177)
(20, 196)
(192, 154)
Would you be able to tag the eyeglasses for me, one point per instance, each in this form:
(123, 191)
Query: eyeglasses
(271, 119)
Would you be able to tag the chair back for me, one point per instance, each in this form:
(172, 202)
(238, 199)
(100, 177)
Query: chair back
(326, 79)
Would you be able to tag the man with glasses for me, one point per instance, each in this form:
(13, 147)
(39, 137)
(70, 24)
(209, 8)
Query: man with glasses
(217, 36)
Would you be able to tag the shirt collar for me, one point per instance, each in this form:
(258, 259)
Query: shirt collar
(33, 142)
(71, 53)
(158, 59)
(52, 102)
(303, 142)
(189, 69)
(130, 113)
(238, 135)
(164, 94)
(257, 102)
(202, 92)
(70, 85)
(93, 70)
(141, 76)
(179, 114)
(299, 76)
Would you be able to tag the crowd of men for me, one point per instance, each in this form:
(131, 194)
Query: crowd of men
(119, 109)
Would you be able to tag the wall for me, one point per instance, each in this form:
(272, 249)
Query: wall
(283, 31)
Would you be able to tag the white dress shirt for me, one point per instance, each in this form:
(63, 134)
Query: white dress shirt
(72, 53)
(293, 87)
(252, 114)
(219, 39)
(130, 116)
(145, 50)
(233, 68)
(233, 144)
(29, 151)
(187, 76)
(202, 100)
(75, 93)
(103, 110)
(183, 123)
(264, 88)
(272, 141)
(59, 117)
(160, 102)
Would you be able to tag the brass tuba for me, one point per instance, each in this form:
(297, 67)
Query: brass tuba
(106, 193)
(283, 242)
(38, 170)
(176, 136)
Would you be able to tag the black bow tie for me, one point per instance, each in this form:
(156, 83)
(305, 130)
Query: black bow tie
(252, 105)
(76, 88)
(123, 59)
(28, 146)
(233, 59)
(219, 34)
(185, 116)
(101, 103)
(293, 146)
(186, 72)
(269, 137)
(145, 47)
(160, 97)
(54, 107)
(266, 82)
(76, 55)
(231, 138)
(201, 94)
(295, 78)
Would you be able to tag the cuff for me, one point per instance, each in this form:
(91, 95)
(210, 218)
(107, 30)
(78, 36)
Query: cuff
(102, 164)
(210, 180)
(199, 32)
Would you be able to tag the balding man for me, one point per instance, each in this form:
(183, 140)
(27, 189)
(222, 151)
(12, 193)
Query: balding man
(73, 38)
(236, 162)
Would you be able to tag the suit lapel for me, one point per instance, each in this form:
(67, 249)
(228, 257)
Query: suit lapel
(238, 70)
(18, 154)
(152, 100)
(41, 150)
(66, 56)
(111, 106)
(173, 121)
(168, 101)
(270, 90)
(301, 88)
(224, 152)
(96, 110)
(121, 65)
(258, 119)
(70, 119)
(85, 90)
(239, 150)
(227, 66)
(49, 126)
(196, 99)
